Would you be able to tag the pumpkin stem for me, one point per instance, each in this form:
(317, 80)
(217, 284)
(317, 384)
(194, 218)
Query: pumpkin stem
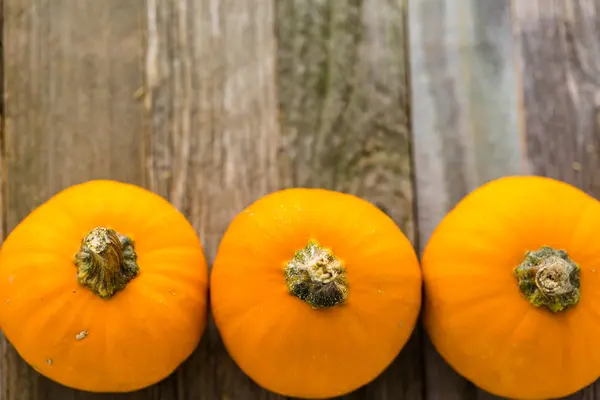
(316, 276)
(106, 262)
(549, 278)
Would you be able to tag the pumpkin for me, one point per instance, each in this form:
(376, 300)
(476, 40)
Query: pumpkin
(103, 287)
(512, 288)
(314, 292)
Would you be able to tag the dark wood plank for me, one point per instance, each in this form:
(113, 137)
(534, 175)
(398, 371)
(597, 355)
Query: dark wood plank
(344, 113)
(70, 73)
(211, 93)
(560, 65)
(465, 122)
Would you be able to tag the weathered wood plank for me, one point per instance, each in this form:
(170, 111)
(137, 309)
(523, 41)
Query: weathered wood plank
(465, 123)
(70, 73)
(217, 143)
(344, 114)
(211, 93)
(560, 50)
(560, 65)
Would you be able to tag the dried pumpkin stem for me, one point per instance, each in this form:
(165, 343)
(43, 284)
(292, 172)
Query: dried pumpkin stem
(549, 278)
(106, 262)
(316, 276)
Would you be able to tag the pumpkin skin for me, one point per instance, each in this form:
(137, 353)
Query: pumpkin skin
(280, 341)
(477, 316)
(118, 343)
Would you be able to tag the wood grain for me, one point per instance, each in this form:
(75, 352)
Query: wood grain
(344, 115)
(465, 123)
(211, 94)
(228, 127)
(560, 53)
(70, 73)
(214, 103)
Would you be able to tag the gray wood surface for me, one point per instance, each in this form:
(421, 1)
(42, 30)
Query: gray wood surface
(465, 123)
(560, 65)
(470, 125)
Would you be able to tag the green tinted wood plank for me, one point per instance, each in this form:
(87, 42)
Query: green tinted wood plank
(343, 95)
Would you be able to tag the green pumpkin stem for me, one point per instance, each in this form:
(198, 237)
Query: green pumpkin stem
(549, 278)
(106, 262)
(316, 276)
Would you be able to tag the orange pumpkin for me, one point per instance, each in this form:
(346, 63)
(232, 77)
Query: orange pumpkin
(103, 288)
(314, 292)
(512, 288)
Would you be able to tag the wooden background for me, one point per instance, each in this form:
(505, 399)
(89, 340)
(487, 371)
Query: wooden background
(212, 103)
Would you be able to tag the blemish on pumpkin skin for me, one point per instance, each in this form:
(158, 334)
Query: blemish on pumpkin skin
(81, 335)
(49, 361)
